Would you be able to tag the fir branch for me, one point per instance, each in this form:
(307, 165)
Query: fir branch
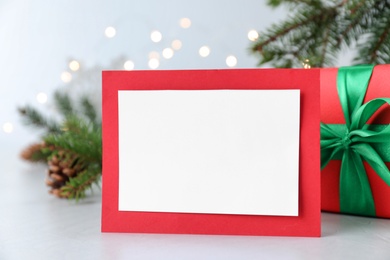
(358, 6)
(88, 110)
(34, 118)
(352, 26)
(324, 47)
(63, 103)
(376, 48)
(289, 38)
(381, 40)
(356, 21)
(317, 30)
(79, 137)
(80, 147)
(77, 186)
(276, 3)
(72, 149)
(279, 33)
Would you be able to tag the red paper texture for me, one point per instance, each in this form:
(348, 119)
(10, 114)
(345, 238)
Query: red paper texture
(331, 113)
(308, 221)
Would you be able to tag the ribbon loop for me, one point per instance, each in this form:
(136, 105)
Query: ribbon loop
(352, 83)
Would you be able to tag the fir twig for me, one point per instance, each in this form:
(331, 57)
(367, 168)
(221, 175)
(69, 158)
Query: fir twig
(63, 103)
(72, 150)
(89, 110)
(83, 143)
(80, 137)
(319, 30)
(34, 118)
(76, 187)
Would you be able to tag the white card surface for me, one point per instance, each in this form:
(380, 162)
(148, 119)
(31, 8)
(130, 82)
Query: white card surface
(209, 151)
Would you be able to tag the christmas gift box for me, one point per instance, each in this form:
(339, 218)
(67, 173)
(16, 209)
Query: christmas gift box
(355, 140)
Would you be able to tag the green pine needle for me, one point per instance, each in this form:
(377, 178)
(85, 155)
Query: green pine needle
(79, 135)
(63, 103)
(318, 31)
(88, 110)
(34, 118)
(76, 187)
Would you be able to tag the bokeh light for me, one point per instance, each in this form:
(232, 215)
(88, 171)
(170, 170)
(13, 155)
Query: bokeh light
(154, 63)
(167, 53)
(231, 61)
(156, 36)
(176, 45)
(128, 65)
(204, 51)
(110, 32)
(42, 98)
(306, 64)
(8, 128)
(253, 35)
(185, 23)
(154, 55)
(74, 65)
(66, 76)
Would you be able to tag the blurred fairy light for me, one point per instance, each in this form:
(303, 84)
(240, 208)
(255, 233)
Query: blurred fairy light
(153, 63)
(176, 45)
(185, 23)
(306, 64)
(155, 36)
(253, 35)
(204, 51)
(66, 77)
(8, 127)
(167, 53)
(231, 61)
(74, 65)
(154, 55)
(42, 98)
(129, 65)
(110, 32)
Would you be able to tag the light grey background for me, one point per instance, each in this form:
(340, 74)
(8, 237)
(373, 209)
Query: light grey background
(39, 38)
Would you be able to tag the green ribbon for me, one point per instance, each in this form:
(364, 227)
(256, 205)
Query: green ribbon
(356, 141)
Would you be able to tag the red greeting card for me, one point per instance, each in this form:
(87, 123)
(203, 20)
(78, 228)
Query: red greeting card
(211, 152)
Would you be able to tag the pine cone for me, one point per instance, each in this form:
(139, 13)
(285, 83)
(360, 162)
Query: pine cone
(33, 153)
(61, 166)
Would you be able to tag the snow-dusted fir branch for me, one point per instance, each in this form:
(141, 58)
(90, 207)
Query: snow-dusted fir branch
(317, 31)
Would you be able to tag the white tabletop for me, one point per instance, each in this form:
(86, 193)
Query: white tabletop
(36, 225)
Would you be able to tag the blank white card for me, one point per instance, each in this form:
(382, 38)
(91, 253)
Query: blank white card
(209, 151)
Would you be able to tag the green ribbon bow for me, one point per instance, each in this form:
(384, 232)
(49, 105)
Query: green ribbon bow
(356, 141)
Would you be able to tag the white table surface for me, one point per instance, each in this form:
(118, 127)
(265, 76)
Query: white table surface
(36, 225)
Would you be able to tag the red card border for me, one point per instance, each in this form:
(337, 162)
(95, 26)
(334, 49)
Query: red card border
(308, 223)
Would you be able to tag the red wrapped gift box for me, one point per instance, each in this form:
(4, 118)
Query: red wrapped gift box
(332, 113)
